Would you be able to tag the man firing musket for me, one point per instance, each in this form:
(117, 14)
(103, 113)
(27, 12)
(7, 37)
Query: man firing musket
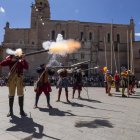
(63, 79)
(43, 84)
(16, 63)
(63, 82)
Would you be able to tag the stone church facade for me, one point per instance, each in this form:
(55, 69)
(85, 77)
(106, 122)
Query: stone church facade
(96, 39)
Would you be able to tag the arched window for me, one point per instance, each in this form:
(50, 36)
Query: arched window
(81, 36)
(108, 38)
(63, 34)
(90, 36)
(53, 35)
(118, 38)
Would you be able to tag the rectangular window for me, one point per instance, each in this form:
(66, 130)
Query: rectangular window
(108, 38)
(53, 35)
(82, 35)
(118, 38)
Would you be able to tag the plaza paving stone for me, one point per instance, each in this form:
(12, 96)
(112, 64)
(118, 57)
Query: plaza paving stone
(98, 117)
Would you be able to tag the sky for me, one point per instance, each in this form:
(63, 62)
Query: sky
(18, 12)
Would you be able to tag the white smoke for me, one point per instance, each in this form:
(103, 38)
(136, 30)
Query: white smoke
(59, 38)
(61, 47)
(17, 52)
(10, 51)
(46, 45)
(54, 61)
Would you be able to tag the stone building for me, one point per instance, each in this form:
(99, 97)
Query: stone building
(136, 50)
(101, 42)
(1, 56)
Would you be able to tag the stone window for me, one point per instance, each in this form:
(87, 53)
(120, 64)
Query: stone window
(108, 37)
(82, 56)
(81, 36)
(41, 3)
(90, 36)
(63, 34)
(53, 35)
(118, 38)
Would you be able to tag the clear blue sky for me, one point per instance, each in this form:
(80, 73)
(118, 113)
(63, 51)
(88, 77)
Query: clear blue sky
(17, 12)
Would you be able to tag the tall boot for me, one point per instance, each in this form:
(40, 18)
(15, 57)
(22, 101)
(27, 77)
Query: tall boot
(67, 98)
(36, 100)
(48, 100)
(79, 94)
(21, 100)
(11, 101)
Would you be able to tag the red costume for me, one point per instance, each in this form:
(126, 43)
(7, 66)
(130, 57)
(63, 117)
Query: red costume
(15, 80)
(20, 65)
(43, 85)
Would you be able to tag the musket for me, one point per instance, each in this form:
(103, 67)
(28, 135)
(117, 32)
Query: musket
(18, 58)
(36, 52)
(72, 66)
(80, 63)
(90, 69)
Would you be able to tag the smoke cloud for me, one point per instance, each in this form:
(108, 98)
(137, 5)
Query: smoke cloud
(54, 61)
(10, 51)
(62, 47)
(17, 52)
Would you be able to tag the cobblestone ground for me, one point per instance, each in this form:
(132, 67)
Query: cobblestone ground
(98, 118)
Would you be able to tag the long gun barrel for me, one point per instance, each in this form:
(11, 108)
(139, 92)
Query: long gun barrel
(72, 66)
(36, 52)
(80, 63)
(90, 69)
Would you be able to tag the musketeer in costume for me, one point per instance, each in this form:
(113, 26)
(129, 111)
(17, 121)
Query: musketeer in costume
(77, 82)
(63, 82)
(16, 64)
(124, 81)
(43, 85)
(132, 79)
(117, 81)
(109, 80)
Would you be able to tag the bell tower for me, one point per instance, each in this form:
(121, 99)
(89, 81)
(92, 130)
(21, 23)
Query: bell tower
(40, 12)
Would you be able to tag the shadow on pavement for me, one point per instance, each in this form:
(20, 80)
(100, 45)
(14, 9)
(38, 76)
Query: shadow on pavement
(90, 100)
(56, 112)
(82, 105)
(130, 96)
(94, 124)
(74, 104)
(43, 109)
(27, 125)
